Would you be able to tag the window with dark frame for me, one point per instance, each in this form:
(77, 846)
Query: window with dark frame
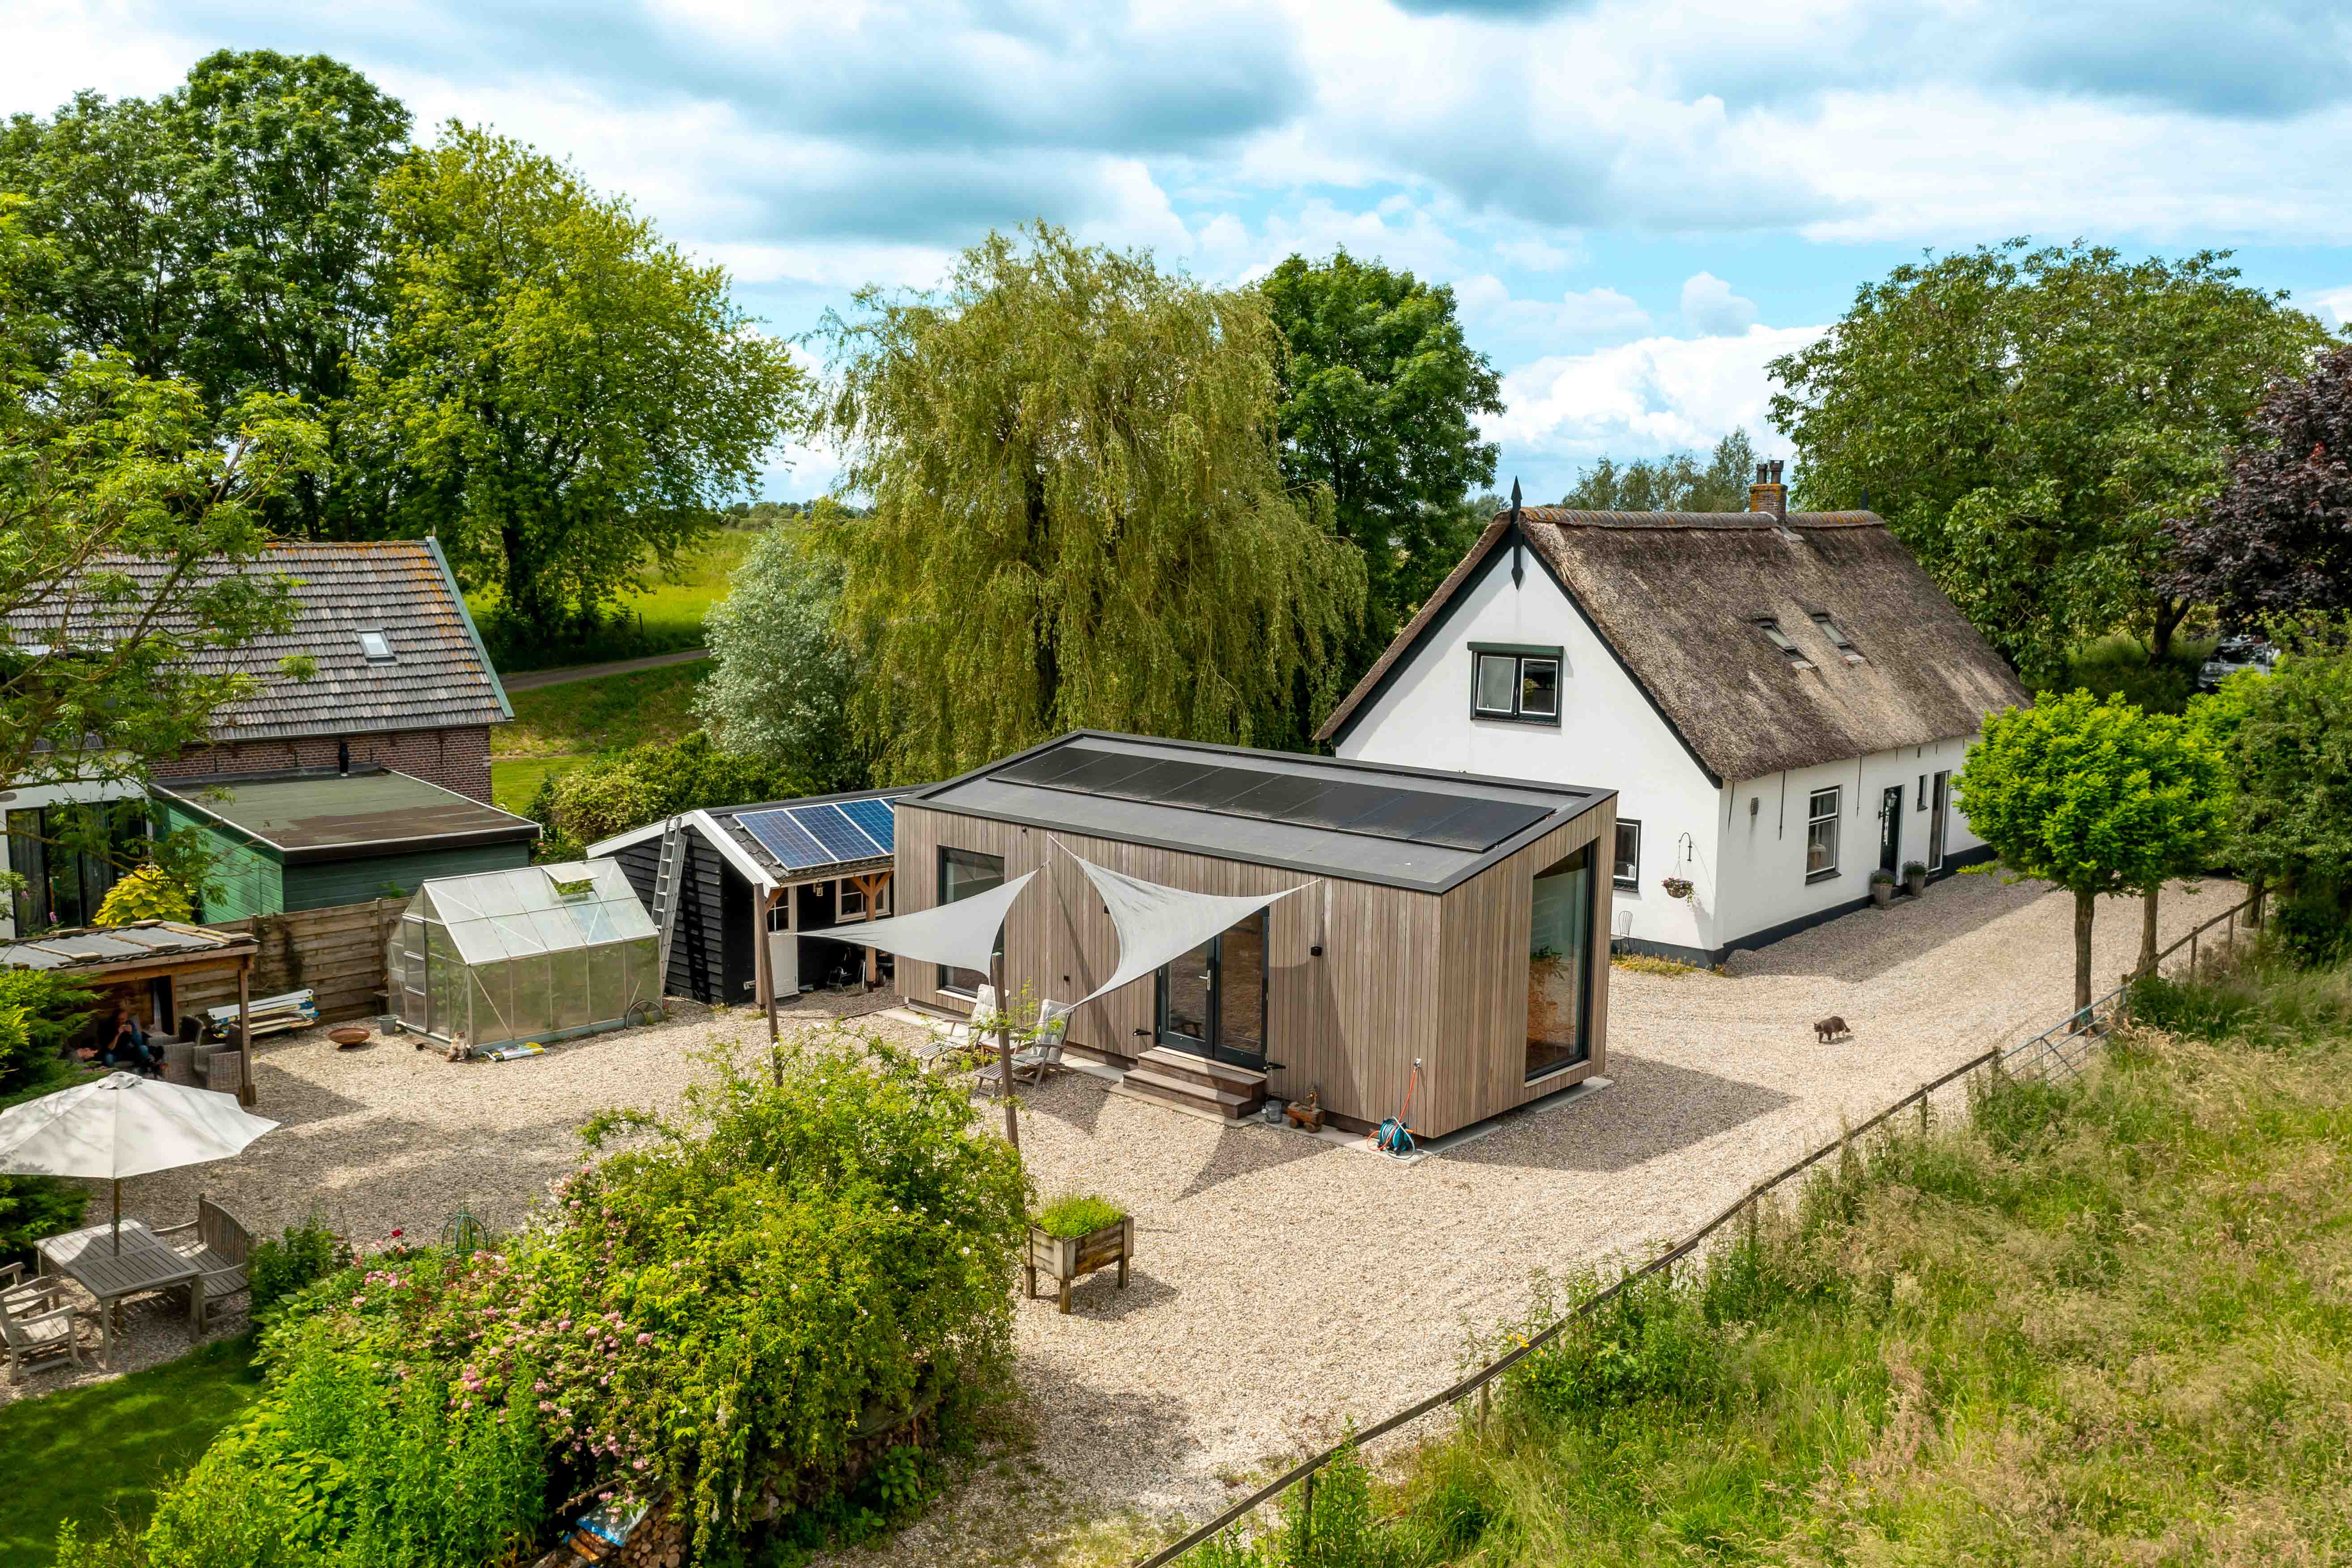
(965, 873)
(1821, 836)
(1836, 634)
(1517, 684)
(1626, 871)
(376, 648)
(1779, 639)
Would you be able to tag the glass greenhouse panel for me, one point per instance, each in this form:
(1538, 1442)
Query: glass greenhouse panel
(574, 1006)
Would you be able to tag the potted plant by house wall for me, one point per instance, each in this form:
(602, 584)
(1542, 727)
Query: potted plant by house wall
(1074, 1235)
(1881, 887)
(1915, 877)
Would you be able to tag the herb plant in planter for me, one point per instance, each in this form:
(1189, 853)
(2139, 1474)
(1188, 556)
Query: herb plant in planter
(1073, 1236)
(1915, 877)
(1881, 887)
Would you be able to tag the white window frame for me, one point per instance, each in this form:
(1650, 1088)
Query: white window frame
(1825, 823)
(1630, 882)
(849, 899)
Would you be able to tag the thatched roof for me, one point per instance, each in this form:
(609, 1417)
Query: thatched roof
(1677, 596)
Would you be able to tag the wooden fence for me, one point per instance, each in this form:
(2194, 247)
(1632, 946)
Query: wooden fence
(2059, 1050)
(337, 953)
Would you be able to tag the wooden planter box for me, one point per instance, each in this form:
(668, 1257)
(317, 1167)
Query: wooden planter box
(1065, 1261)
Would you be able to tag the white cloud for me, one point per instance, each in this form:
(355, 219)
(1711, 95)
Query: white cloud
(1655, 394)
(1712, 310)
(2333, 306)
(1488, 302)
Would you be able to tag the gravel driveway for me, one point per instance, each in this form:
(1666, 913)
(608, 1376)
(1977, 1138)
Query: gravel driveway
(1284, 1285)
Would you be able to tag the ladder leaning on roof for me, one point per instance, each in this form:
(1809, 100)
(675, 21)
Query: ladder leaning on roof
(667, 873)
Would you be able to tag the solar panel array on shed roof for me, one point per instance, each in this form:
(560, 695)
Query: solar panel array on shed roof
(802, 837)
(1381, 810)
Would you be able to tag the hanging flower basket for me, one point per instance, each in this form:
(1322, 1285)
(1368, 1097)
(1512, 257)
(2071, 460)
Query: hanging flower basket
(1677, 887)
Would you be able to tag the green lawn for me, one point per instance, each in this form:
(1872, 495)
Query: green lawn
(665, 616)
(583, 717)
(88, 1453)
(514, 780)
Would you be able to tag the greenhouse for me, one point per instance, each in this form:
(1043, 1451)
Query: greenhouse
(533, 953)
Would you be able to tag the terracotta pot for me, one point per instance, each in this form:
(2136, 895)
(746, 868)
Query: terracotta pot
(348, 1035)
(1882, 894)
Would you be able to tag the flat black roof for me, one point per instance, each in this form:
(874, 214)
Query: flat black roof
(1405, 828)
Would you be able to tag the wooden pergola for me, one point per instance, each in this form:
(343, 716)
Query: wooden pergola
(150, 950)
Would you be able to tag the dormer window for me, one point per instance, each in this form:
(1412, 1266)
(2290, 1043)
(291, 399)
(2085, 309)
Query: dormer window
(1779, 639)
(1838, 639)
(376, 648)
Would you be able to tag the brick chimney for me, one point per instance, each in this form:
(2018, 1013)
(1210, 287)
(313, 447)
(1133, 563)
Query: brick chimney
(1768, 493)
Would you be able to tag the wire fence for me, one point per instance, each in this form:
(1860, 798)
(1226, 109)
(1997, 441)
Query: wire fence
(2059, 1051)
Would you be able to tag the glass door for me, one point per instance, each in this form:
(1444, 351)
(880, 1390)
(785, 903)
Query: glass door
(1936, 821)
(1890, 830)
(1212, 1001)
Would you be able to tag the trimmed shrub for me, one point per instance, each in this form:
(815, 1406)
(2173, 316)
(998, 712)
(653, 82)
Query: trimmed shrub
(146, 893)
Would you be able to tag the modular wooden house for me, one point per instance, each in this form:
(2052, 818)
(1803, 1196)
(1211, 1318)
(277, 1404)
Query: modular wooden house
(1453, 922)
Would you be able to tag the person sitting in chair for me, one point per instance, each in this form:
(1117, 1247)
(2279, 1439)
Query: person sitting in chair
(123, 1045)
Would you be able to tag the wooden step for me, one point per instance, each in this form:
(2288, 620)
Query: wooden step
(1213, 1076)
(1189, 1095)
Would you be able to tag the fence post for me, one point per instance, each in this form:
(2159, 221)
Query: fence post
(1307, 1519)
(2192, 957)
(1923, 1109)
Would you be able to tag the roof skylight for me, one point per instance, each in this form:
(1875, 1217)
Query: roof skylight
(1836, 634)
(1772, 629)
(376, 648)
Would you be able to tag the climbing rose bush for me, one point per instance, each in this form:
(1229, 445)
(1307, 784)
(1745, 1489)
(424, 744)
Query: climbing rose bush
(716, 1303)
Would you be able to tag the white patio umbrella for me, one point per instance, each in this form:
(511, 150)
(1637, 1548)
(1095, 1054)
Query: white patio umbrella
(124, 1125)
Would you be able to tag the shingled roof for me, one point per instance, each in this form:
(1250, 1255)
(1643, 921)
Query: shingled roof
(1677, 597)
(438, 677)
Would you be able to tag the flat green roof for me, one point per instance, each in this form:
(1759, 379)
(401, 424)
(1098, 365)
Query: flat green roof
(327, 817)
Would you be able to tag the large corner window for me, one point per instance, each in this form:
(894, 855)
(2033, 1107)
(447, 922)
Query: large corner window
(1626, 872)
(1521, 684)
(962, 874)
(1821, 836)
(69, 857)
(1560, 966)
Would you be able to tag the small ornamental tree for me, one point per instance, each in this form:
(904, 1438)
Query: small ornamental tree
(2289, 746)
(2098, 797)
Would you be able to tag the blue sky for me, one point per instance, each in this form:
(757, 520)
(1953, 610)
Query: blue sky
(1638, 203)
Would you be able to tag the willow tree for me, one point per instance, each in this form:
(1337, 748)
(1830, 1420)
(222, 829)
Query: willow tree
(1078, 512)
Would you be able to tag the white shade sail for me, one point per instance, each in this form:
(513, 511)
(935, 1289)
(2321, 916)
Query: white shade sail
(961, 935)
(124, 1125)
(1159, 924)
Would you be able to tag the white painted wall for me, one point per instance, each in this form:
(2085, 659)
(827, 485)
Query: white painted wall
(1763, 852)
(1748, 871)
(1609, 737)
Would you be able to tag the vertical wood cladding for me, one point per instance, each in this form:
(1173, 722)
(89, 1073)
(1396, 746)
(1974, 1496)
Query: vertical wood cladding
(1403, 973)
(699, 951)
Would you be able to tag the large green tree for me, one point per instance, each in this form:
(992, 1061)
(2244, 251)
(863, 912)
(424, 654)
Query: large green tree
(1080, 515)
(560, 392)
(1380, 395)
(2289, 740)
(226, 235)
(783, 680)
(2029, 420)
(1676, 482)
(131, 553)
(2098, 797)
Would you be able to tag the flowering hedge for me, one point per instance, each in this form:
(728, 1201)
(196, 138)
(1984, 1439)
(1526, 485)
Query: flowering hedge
(711, 1312)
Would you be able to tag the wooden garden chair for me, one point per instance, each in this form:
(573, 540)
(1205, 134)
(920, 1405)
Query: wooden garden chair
(35, 1322)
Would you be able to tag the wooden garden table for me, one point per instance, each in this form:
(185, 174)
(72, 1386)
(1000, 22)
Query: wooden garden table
(145, 1265)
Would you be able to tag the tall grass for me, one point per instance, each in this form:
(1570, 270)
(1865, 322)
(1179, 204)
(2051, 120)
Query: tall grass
(2100, 1321)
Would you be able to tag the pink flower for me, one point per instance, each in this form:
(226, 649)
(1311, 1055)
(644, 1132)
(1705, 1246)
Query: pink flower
(636, 1464)
(357, 1301)
(644, 1338)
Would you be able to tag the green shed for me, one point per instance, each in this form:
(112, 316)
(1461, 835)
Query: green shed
(289, 841)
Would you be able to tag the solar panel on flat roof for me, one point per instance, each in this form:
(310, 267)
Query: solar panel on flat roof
(1211, 787)
(1406, 814)
(833, 830)
(1342, 804)
(1099, 773)
(1483, 824)
(787, 841)
(1276, 797)
(880, 823)
(1052, 766)
(1154, 781)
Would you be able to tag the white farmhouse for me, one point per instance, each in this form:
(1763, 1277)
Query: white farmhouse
(1780, 700)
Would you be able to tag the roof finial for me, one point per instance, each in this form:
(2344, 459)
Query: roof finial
(1518, 570)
